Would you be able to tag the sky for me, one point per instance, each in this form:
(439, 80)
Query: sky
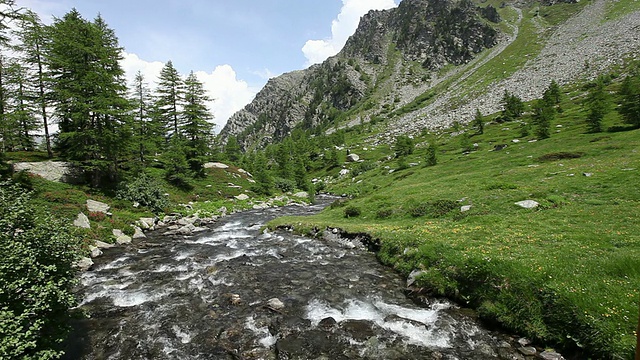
(233, 46)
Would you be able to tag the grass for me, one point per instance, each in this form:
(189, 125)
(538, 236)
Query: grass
(566, 274)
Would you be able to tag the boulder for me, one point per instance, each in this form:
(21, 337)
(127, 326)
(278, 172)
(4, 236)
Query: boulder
(82, 221)
(103, 245)
(550, 355)
(187, 229)
(275, 304)
(528, 351)
(528, 204)
(95, 251)
(301, 194)
(465, 208)
(353, 158)
(215, 165)
(146, 223)
(97, 206)
(121, 238)
(138, 234)
(242, 197)
(83, 264)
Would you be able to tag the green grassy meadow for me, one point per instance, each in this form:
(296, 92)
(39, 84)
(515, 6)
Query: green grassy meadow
(566, 274)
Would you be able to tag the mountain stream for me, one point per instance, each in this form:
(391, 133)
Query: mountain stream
(236, 292)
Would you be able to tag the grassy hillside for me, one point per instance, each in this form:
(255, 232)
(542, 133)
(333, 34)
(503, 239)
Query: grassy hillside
(566, 274)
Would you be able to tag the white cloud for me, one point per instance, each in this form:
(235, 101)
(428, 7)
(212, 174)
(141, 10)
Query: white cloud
(228, 94)
(316, 51)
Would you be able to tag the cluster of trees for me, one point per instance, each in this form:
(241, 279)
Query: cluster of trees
(69, 72)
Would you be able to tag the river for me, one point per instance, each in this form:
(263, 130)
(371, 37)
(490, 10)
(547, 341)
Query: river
(236, 292)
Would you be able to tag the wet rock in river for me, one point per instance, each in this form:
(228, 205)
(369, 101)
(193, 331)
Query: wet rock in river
(528, 351)
(327, 323)
(275, 304)
(359, 329)
(551, 355)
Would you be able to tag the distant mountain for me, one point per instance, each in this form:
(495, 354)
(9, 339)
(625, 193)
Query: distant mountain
(428, 63)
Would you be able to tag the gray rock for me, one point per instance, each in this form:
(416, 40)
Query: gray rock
(524, 341)
(169, 219)
(56, 171)
(83, 264)
(103, 245)
(587, 174)
(187, 229)
(353, 158)
(275, 304)
(528, 204)
(528, 351)
(242, 197)
(138, 234)
(550, 355)
(465, 208)
(82, 221)
(97, 206)
(414, 276)
(121, 238)
(344, 172)
(301, 194)
(146, 223)
(243, 171)
(260, 206)
(95, 251)
(215, 165)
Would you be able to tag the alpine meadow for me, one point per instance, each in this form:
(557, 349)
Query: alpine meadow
(485, 153)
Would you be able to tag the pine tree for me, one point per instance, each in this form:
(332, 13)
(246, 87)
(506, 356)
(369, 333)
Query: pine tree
(232, 149)
(32, 38)
(597, 104)
(431, 158)
(264, 180)
(89, 91)
(543, 114)
(195, 118)
(478, 122)
(630, 100)
(512, 106)
(20, 112)
(169, 96)
(147, 135)
(7, 133)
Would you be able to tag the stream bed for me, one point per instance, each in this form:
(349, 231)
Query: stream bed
(236, 292)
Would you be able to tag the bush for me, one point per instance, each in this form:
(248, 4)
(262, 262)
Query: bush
(338, 204)
(363, 167)
(146, 191)
(384, 213)
(284, 185)
(434, 209)
(351, 211)
(38, 252)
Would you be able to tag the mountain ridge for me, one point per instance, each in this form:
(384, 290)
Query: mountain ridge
(430, 64)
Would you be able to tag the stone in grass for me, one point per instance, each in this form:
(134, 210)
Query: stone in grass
(95, 251)
(242, 197)
(82, 221)
(414, 276)
(465, 208)
(97, 206)
(103, 245)
(528, 204)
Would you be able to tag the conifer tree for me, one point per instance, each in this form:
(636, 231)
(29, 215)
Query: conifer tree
(196, 127)
(232, 149)
(89, 91)
(512, 106)
(20, 113)
(147, 136)
(630, 100)
(32, 38)
(169, 97)
(598, 104)
(478, 122)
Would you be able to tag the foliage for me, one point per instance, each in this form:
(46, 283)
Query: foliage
(598, 105)
(630, 100)
(433, 209)
(362, 167)
(478, 122)
(512, 106)
(146, 191)
(284, 185)
(404, 146)
(431, 158)
(352, 211)
(37, 255)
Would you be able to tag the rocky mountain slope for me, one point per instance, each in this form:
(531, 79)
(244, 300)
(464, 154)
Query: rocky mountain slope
(426, 64)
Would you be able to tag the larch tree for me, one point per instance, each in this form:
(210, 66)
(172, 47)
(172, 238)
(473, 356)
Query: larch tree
(630, 100)
(195, 117)
(598, 104)
(20, 112)
(169, 95)
(147, 135)
(32, 37)
(89, 94)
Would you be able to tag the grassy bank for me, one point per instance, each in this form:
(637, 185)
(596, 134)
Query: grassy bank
(566, 274)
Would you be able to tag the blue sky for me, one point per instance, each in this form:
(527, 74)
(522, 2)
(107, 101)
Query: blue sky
(234, 46)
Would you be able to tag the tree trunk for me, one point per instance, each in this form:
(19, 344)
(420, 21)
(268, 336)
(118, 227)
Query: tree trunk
(43, 102)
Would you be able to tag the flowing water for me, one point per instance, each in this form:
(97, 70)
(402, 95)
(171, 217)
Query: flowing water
(208, 297)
